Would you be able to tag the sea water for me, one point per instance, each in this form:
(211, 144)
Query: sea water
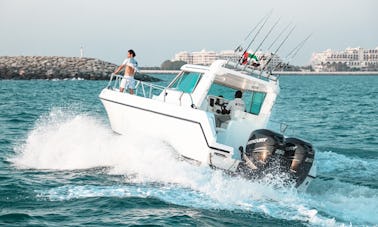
(61, 164)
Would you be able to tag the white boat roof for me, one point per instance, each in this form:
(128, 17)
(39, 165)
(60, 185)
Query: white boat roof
(228, 74)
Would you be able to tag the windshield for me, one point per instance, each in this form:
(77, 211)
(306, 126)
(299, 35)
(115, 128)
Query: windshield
(253, 100)
(186, 81)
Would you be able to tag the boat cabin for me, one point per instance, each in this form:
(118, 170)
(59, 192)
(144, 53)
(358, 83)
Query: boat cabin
(201, 94)
(211, 88)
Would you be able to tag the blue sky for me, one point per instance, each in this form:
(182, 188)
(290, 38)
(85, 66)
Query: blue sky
(157, 29)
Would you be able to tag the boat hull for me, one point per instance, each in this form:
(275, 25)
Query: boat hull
(187, 130)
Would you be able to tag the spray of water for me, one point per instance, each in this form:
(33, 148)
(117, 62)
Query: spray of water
(69, 141)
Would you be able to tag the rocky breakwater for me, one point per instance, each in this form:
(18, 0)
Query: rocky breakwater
(52, 67)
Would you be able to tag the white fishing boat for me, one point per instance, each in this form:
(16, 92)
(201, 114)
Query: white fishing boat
(190, 115)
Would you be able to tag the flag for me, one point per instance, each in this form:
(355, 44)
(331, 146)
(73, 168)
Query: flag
(248, 57)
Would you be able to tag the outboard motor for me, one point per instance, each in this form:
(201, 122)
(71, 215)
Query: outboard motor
(300, 158)
(262, 147)
(270, 152)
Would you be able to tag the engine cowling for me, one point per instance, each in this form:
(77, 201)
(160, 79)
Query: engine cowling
(270, 152)
(262, 147)
(300, 158)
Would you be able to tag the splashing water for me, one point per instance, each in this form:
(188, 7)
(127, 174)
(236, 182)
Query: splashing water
(68, 141)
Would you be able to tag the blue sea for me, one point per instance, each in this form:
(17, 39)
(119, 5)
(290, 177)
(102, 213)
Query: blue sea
(61, 164)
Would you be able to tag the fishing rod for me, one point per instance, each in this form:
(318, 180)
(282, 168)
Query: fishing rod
(240, 46)
(276, 39)
(279, 35)
(275, 52)
(300, 47)
(293, 52)
(266, 36)
(250, 43)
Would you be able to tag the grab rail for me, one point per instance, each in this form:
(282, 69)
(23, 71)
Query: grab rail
(143, 89)
(114, 85)
(147, 90)
(191, 99)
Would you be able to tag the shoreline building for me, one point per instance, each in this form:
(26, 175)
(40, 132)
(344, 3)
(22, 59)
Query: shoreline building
(204, 57)
(184, 56)
(357, 58)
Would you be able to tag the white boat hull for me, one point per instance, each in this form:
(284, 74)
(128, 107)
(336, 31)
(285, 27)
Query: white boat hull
(187, 130)
(186, 115)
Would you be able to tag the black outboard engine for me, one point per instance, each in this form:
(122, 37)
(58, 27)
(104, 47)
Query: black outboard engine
(270, 152)
(300, 156)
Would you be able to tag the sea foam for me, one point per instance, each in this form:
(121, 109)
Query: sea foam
(64, 140)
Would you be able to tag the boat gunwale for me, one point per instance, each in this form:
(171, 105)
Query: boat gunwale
(168, 115)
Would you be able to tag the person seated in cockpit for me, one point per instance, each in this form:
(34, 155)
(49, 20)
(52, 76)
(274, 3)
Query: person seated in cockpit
(237, 103)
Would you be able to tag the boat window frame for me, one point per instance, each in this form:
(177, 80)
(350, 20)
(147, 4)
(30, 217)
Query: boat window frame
(256, 102)
(253, 99)
(175, 84)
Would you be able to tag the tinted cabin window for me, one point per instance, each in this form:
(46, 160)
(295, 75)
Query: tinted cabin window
(253, 99)
(186, 82)
(257, 101)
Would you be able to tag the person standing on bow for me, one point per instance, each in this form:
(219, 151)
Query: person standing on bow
(131, 67)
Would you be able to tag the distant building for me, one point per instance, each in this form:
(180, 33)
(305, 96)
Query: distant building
(228, 55)
(204, 57)
(271, 59)
(184, 56)
(358, 58)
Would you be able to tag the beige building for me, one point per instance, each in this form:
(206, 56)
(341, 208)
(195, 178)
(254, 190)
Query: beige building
(204, 57)
(184, 56)
(353, 57)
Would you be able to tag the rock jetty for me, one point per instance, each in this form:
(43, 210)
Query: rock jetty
(54, 67)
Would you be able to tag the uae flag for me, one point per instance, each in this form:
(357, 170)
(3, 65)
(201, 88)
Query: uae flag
(253, 59)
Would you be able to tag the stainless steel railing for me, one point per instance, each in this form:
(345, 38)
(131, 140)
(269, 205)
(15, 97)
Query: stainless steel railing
(143, 89)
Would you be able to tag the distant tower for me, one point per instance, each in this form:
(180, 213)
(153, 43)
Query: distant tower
(81, 52)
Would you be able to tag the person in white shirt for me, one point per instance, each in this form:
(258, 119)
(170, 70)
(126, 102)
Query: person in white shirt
(131, 67)
(237, 103)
